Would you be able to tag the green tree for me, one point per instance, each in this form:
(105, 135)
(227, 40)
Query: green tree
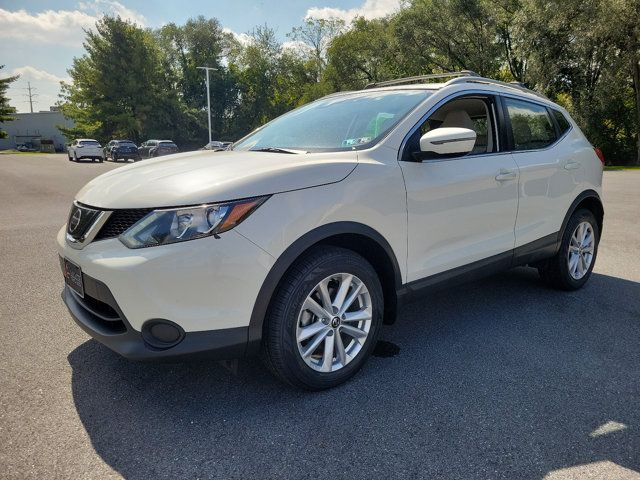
(6, 110)
(315, 35)
(200, 42)
(448, 35)
(365, 53)
(270, 80)
(581, 54)
(120, 87)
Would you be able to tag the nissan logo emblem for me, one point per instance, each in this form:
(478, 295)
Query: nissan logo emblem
(75, 221)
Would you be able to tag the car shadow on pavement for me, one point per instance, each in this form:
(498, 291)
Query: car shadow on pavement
(503, 378)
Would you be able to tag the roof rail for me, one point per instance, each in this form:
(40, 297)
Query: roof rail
(462, 76)
(407, 80)
(515, 85)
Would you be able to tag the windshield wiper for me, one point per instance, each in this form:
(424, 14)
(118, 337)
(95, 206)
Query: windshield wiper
(277, 150)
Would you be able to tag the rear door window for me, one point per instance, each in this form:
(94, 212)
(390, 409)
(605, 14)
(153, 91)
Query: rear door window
(531, 126)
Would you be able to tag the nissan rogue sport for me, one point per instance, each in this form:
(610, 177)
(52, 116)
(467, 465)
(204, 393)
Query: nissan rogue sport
(303, 238)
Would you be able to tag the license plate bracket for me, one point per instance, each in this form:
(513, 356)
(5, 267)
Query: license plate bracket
(73, 276)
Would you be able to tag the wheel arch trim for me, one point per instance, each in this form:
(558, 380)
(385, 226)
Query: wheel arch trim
(585, 195)
(292, 253)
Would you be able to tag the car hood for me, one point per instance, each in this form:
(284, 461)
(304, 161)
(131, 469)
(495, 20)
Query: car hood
(204, 176)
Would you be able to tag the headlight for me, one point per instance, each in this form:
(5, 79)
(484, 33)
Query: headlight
(165, 226)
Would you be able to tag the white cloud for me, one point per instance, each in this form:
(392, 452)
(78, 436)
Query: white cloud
(31, 73)
(111, 7)
(61, 27)
(242, 38)
(45, 85)
(369, 9)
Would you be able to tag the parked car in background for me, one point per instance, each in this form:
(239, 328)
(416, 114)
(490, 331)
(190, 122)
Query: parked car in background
(28, 147)
(157, 148)
(121, 150)
(216, 145)
(85, 148)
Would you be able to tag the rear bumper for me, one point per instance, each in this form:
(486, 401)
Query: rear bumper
(125, 155)
(99, 315)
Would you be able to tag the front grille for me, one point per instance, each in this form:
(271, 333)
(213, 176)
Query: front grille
(120, 221)
(80, 220)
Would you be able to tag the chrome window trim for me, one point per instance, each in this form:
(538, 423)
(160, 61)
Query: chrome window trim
(455, 95)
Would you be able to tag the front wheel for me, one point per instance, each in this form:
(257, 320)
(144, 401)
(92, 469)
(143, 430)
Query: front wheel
(324, 320)
(572, 265)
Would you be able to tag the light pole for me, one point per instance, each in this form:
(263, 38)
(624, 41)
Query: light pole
(206, 69)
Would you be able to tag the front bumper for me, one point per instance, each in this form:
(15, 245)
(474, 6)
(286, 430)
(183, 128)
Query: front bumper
(99, 315)
(206, 287)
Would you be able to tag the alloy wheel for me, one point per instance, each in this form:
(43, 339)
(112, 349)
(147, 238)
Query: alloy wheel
(334, 322)
(581, 248)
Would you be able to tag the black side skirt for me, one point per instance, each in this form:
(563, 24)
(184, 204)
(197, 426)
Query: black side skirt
(530, 253)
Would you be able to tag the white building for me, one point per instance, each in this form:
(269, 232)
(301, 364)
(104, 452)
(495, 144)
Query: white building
(32, 128)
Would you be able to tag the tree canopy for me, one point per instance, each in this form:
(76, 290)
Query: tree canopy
(137, 83)
(6, 110)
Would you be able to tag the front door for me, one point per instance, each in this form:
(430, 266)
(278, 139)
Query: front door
(461, 209)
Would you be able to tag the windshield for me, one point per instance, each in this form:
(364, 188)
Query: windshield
(344, 122)
(91, 143)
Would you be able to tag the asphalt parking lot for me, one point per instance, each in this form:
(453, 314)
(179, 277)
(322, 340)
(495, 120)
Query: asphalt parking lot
(503, 378)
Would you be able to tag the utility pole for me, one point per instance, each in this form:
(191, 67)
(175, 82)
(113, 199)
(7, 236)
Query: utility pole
(206, 69)
(30, 95)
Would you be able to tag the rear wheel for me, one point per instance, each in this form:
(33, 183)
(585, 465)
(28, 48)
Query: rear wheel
(324, 320)
(572, 266)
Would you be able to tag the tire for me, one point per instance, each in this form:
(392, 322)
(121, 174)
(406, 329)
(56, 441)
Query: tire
(565, 271)
(114, 157)
(100, 159)
(281, 351)
(69, 157)
(75, 157)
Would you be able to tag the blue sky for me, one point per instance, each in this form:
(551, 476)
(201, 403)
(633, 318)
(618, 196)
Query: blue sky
(38, 39)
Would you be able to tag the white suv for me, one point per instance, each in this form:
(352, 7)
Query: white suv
(301, 240)
(85, 148)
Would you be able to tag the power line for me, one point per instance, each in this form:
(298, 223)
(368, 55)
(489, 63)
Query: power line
(30, 95)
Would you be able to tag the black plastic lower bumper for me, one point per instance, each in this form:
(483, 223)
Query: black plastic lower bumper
(98, 314)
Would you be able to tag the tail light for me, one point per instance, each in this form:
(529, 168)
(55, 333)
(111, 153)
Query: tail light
(599, 154)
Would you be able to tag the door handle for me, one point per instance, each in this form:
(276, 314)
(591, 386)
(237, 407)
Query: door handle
(571, 165)
(506, 175)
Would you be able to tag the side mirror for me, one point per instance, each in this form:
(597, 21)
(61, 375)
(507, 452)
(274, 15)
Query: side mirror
(448, 141)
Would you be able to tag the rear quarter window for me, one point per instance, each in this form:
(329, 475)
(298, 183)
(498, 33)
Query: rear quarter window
(531, 126)
(561, 120)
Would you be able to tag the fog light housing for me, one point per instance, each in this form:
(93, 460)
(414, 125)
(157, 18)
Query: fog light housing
(162, 334)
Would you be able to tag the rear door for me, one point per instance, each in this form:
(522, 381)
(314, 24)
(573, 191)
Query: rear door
(461, 209)
(549, 173)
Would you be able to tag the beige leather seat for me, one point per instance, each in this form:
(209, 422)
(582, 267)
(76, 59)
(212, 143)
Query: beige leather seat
(457, 118)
